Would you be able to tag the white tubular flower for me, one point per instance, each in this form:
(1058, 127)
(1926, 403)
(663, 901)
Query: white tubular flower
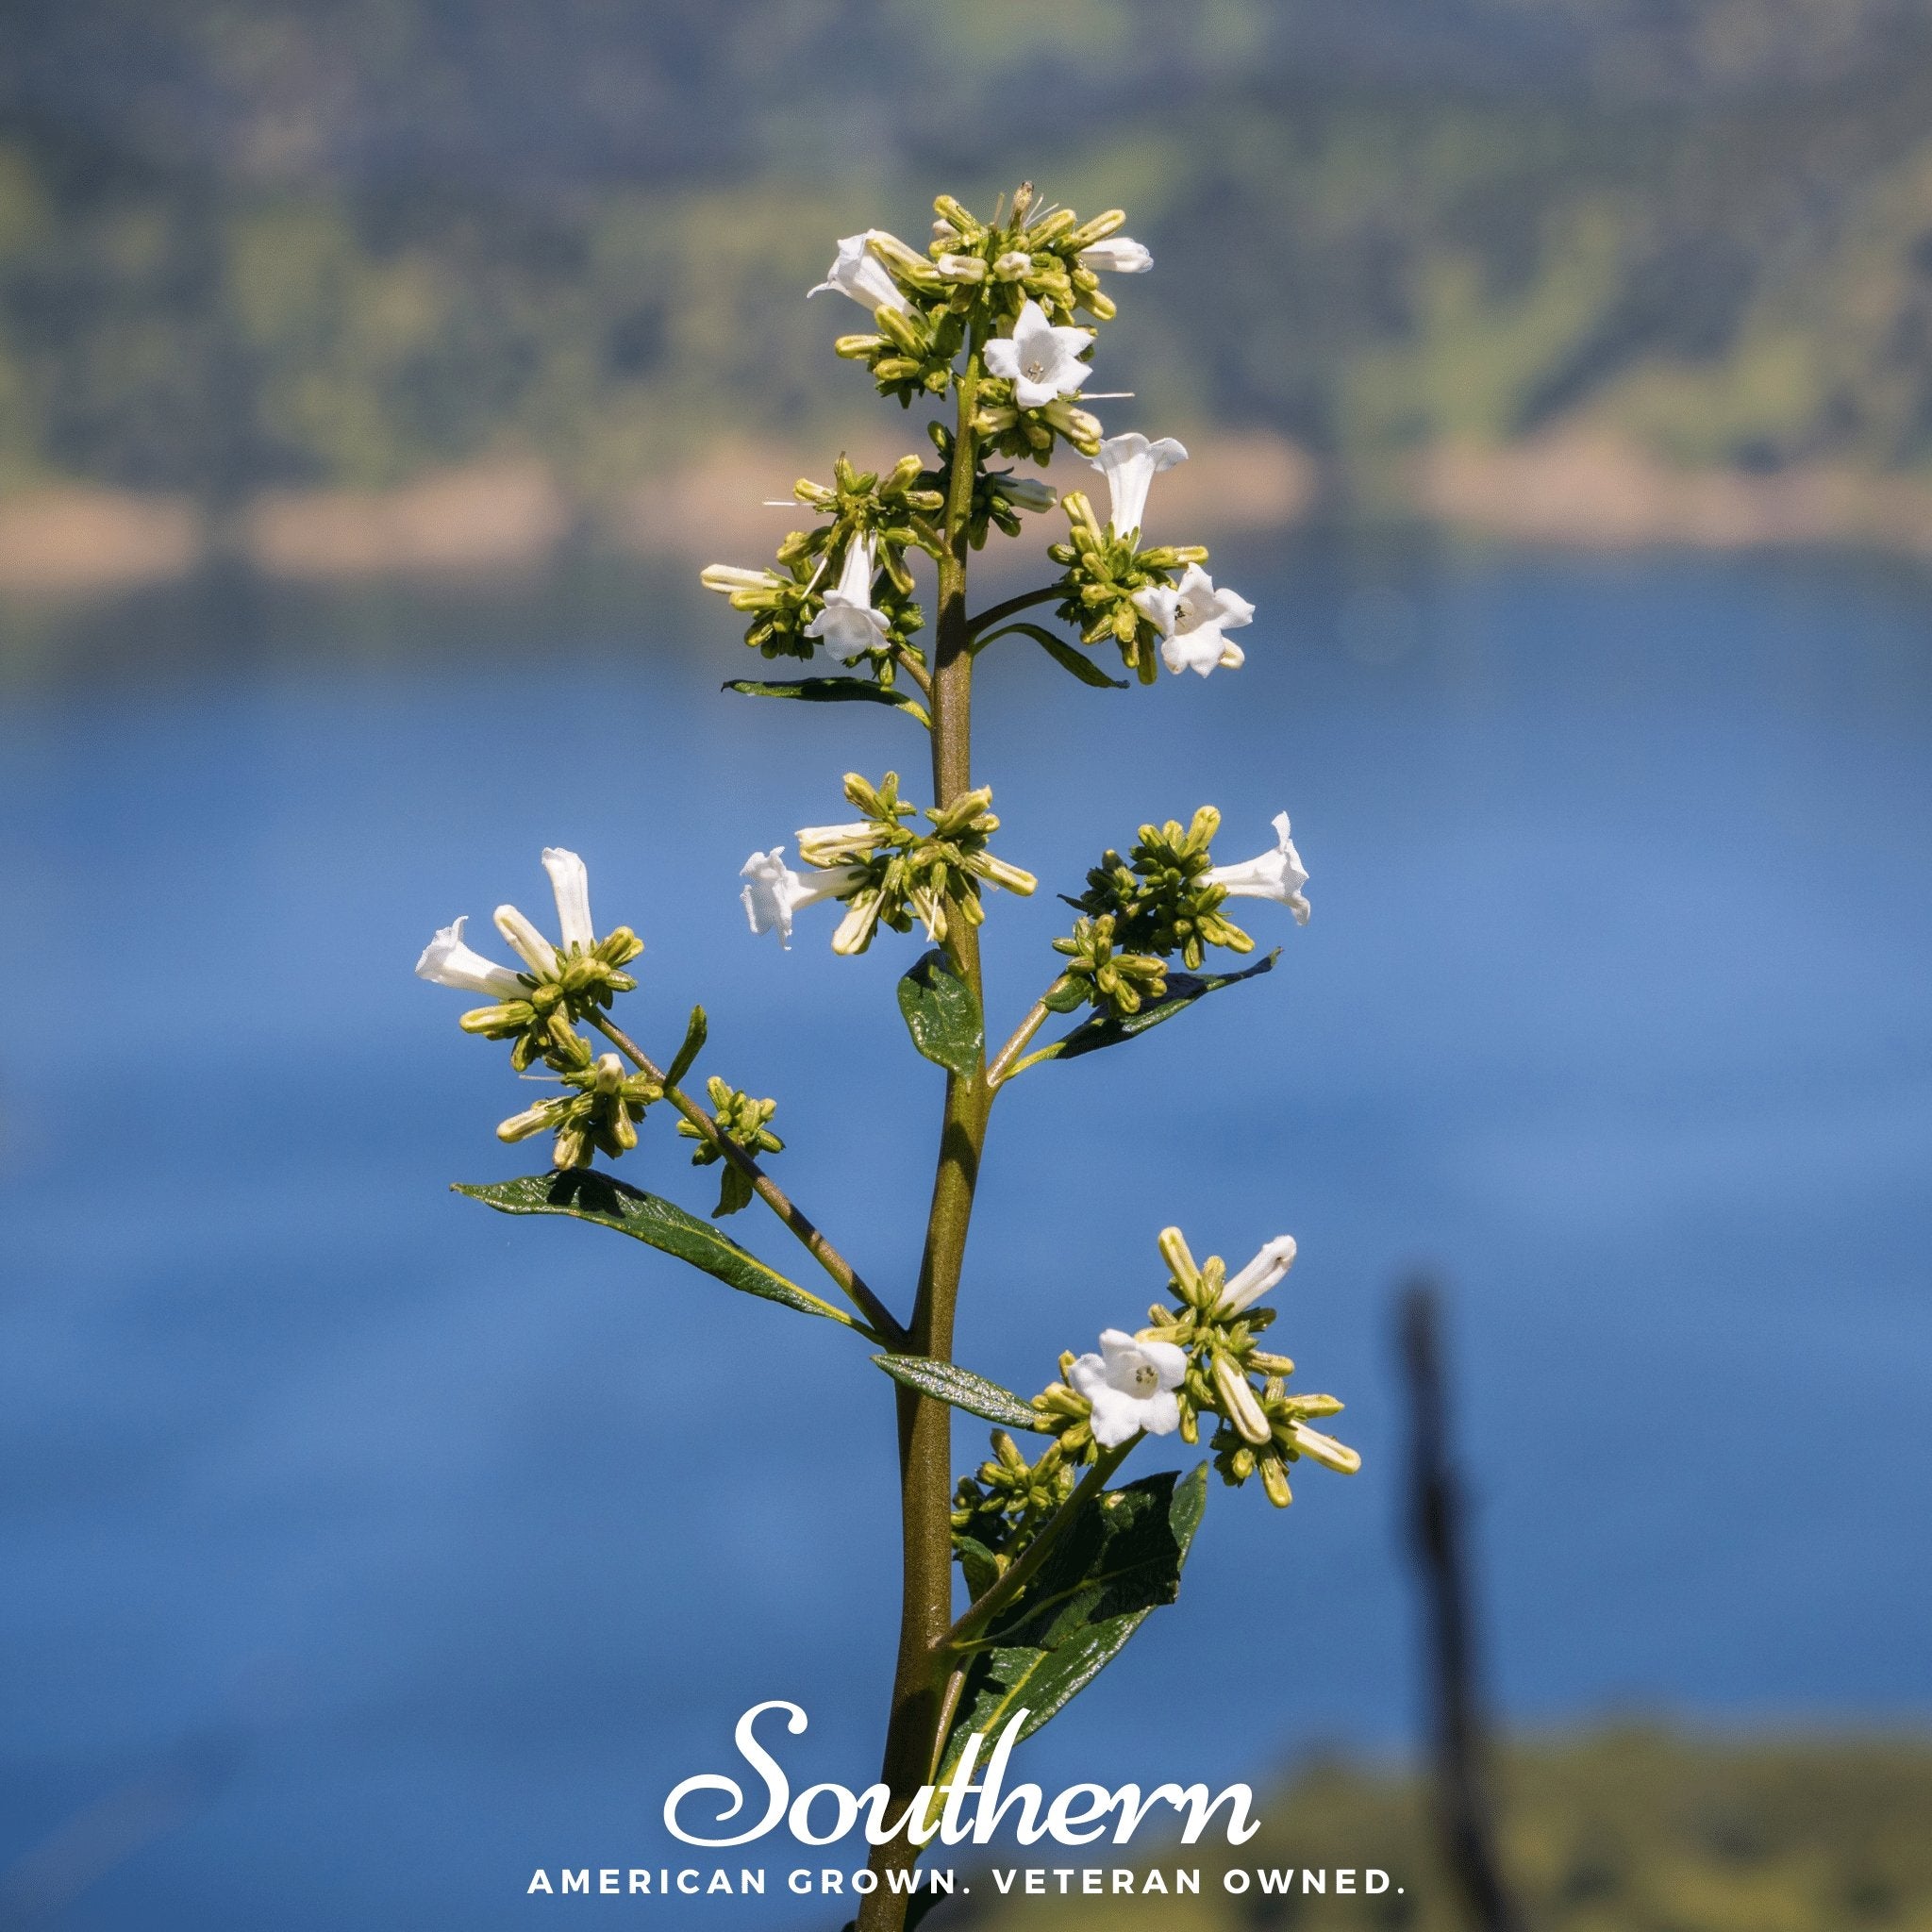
(859, 273)
(833, 844)
(532, 947)
(1130, 464)
(1192, 620)
(1121, 256)
(1131, 1386)
(1276, 1259)
(1040, 360)
(447, 962)
(571, 883)
(848, 626)
(1277, 875)
(1237, 1402)
(774, 893)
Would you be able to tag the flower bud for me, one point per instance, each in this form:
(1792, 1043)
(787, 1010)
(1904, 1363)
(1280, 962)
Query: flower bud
(510, 1017)
(1274, 1480)
(1237, 1402)
(1173, 1251)
(1026, 492)
(1098, 230)
(1326, 1450)
(961, 268)
(533, 1119)
(1014, 263)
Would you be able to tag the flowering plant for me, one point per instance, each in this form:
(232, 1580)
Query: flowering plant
(996, 322)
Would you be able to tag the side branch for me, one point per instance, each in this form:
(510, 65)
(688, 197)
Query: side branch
(1027, 1566)
(1002, 1068)
(1011, 608)
(768, 1191)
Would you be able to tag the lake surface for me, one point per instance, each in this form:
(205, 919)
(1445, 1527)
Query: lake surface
(366, 1550)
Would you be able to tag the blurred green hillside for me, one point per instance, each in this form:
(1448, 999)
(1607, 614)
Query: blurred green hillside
(350, 242)
(1628, 1831)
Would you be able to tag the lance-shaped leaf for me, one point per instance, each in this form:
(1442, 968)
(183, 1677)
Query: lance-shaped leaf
(1183, 990)
(1068, 657)
(1122, 1558)
(949, 1382)
(586, 1194)
(941, 1015)
(831, 691)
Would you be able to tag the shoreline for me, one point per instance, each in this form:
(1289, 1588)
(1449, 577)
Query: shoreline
(1573, 489)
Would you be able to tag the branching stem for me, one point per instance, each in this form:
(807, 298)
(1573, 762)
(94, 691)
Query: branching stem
(1011, 608)
(882, 1319)
(1002, 1069)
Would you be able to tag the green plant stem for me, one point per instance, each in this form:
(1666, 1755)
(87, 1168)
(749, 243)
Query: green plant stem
(882, 1320)
(914, 670)
(1011, 608)
(1026, 1565)
(925, 1438)
(1002, 1068)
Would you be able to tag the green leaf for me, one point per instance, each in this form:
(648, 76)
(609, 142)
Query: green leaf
(688, 1052)
(949, 1382)
(941, 1015)
(1068, 657)
(1120, 1560)
(977, 1564)
(589, 1195)
(831, 691)
(1183, 990)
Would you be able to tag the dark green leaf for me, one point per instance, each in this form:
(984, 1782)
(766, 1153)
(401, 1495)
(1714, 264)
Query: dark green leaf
(949, 1382)
(831, 691)
(941, 1015)
(688, 1052)
(977, 1564)
(1068, 657)
(1120, 1560)
(589, 1195)
(1183, 990)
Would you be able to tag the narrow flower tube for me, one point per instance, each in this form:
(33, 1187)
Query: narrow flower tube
(1277, 875)
(570, 880)
(728, 577)
(1237, 1402)
(447, 962)
(825, 845)
(1130, 464)
(856, 272)
(855, 930)
(1276, 1259)
(530, 943)
(774, 894)
(1121, 256)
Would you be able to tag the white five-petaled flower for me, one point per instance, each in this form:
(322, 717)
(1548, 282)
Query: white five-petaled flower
(1040, 360)
(774, 893)
(1277, 875)
(1121, 256)
(856, 272)
(1246, 1288)
(1131, 1386)
(1130, 464)
(1192, 619)
(447, 962)
(848, 626)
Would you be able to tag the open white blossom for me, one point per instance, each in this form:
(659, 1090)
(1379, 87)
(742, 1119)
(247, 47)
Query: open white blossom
(447, 962)
(1277, 875)
(1040, 360)
(1121, 256)
(848, 626)
(1246, 1288)
(856, 272)
(1130, 464)
(1192, 618)
(774, 893)
(1131, 1386)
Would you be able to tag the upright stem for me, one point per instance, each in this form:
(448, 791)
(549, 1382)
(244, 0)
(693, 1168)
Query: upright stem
(926, 1447)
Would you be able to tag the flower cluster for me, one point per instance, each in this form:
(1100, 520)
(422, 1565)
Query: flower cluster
(887, 873)
(1014, 284)
(574, 978)
(872, 521)
(601, 1110)
(1199, 1357)
(996, 1509)
(741, 1122)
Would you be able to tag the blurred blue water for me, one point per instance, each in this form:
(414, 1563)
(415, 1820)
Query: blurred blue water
(401, 1548)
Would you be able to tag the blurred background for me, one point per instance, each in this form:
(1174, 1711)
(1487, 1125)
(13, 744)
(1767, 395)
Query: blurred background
(374, 378)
